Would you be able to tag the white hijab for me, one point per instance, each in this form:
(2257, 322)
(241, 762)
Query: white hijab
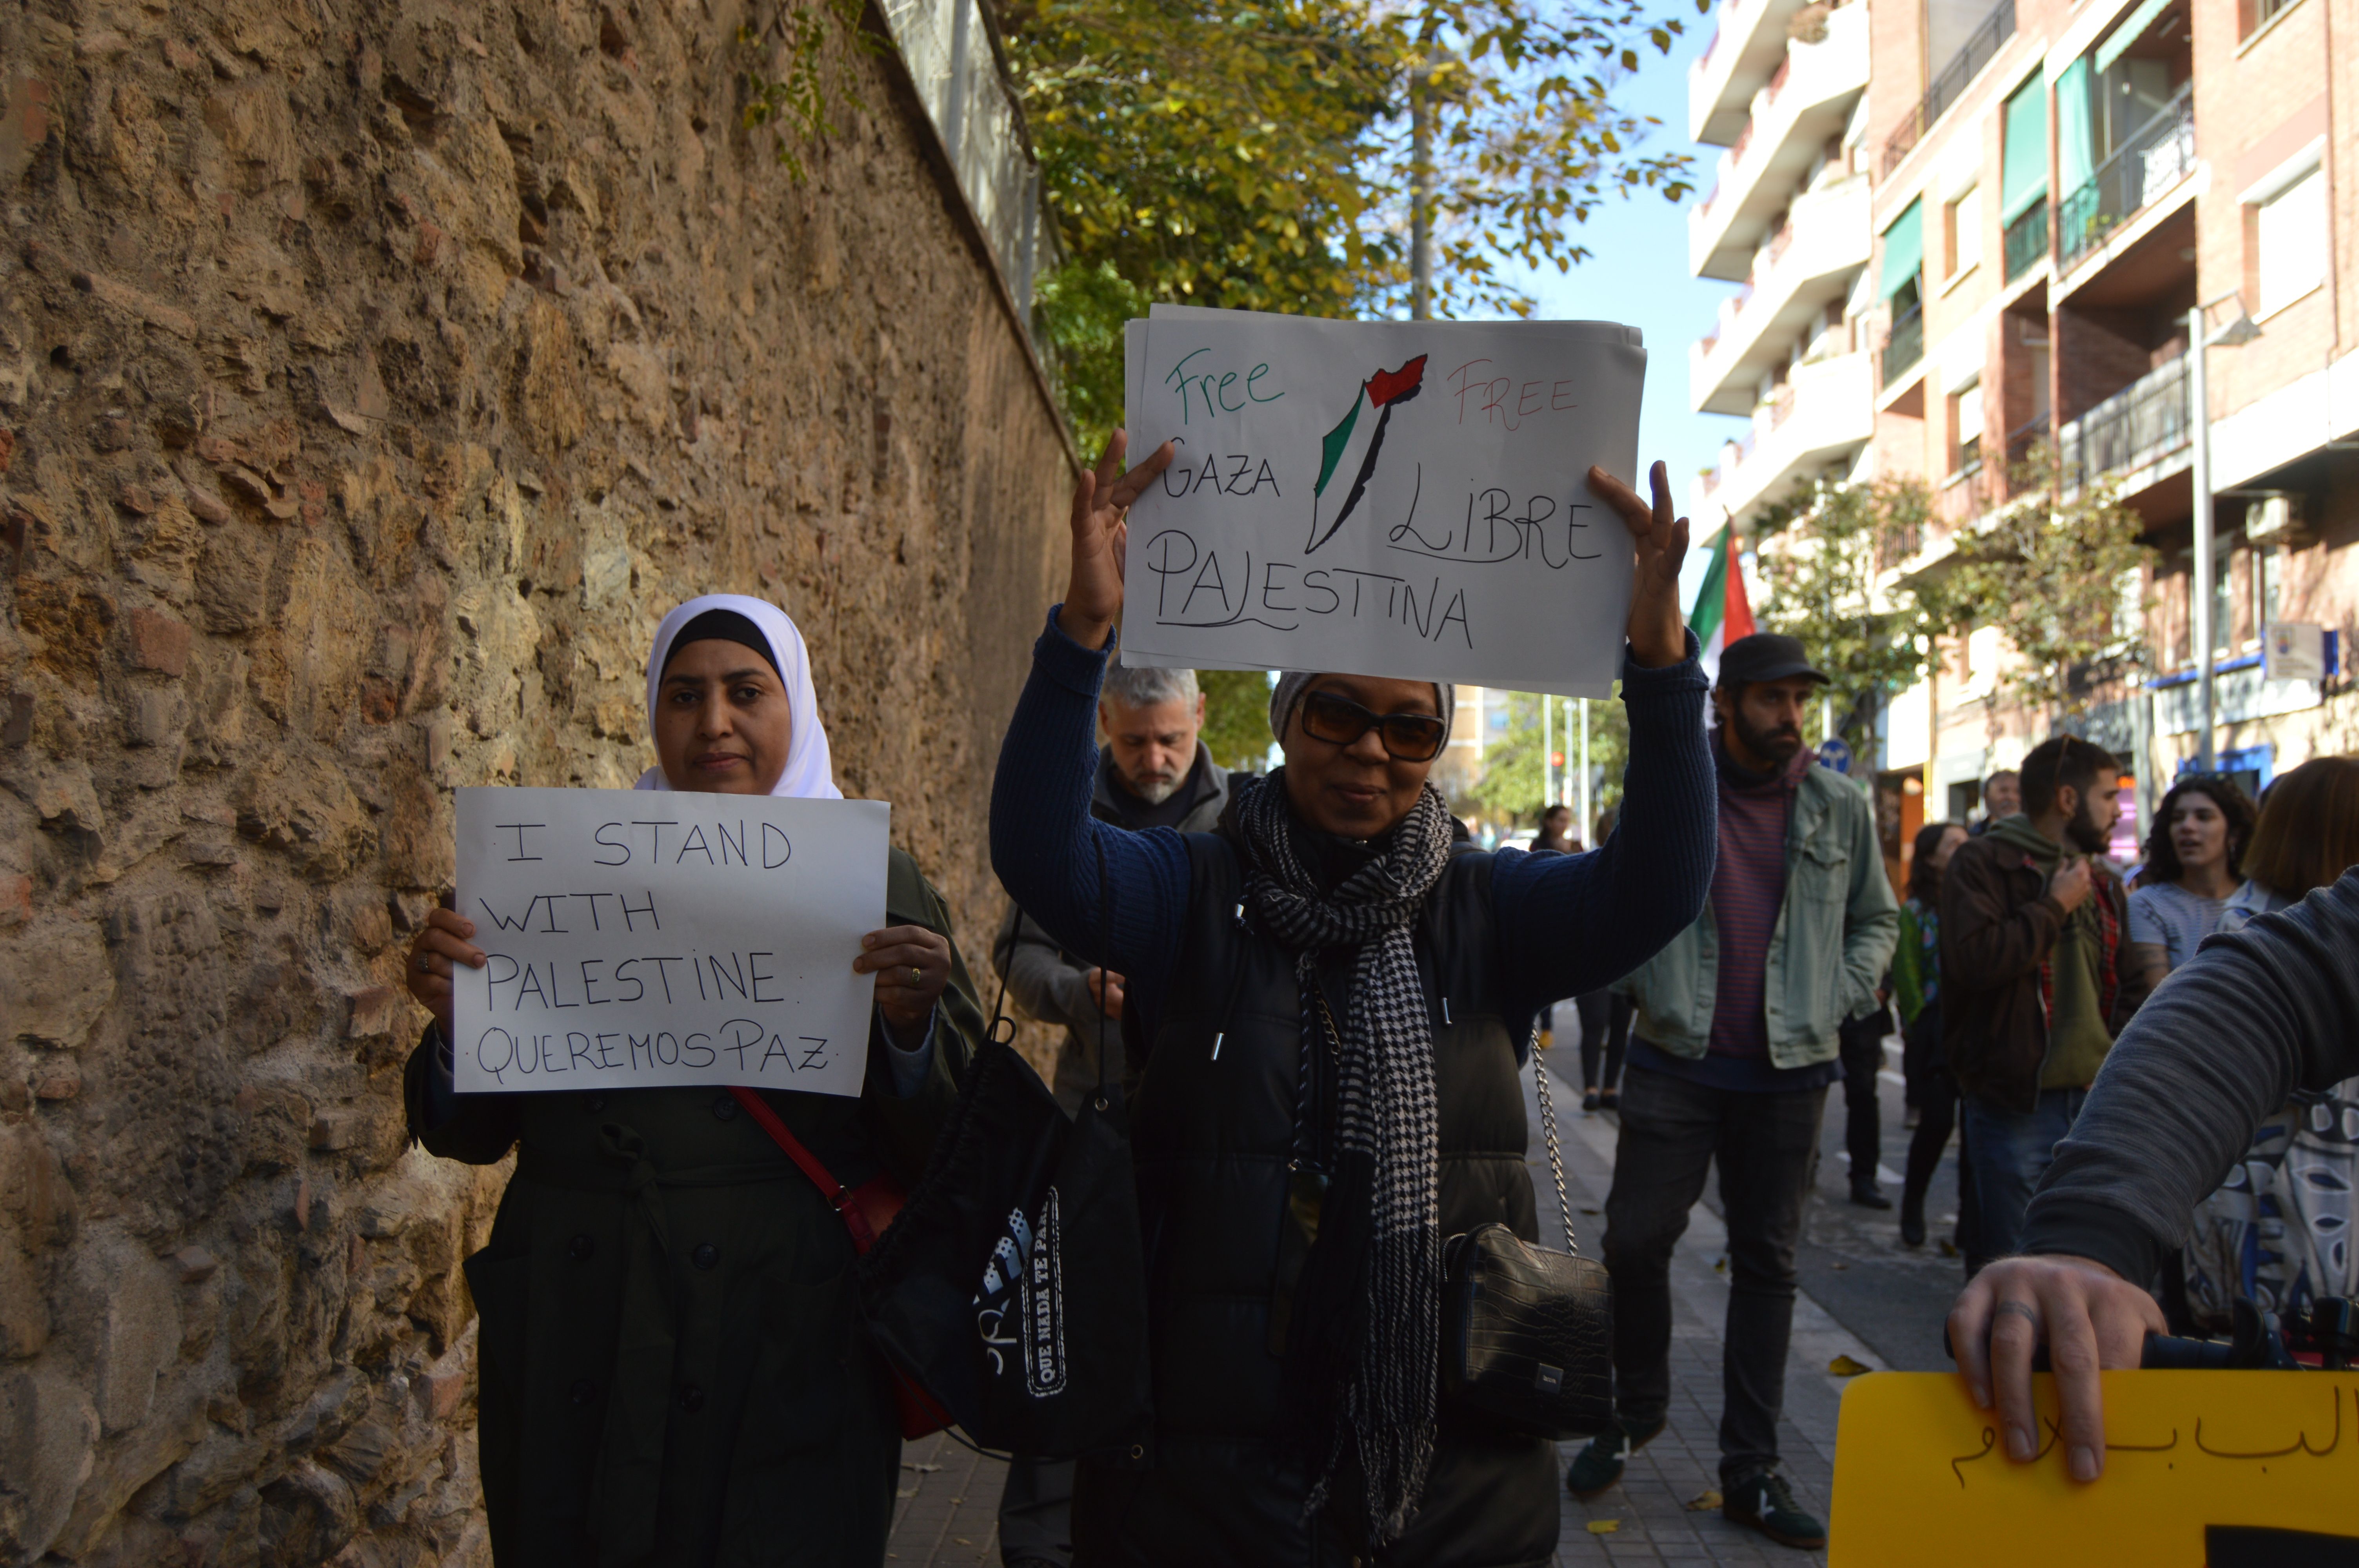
(809, 772)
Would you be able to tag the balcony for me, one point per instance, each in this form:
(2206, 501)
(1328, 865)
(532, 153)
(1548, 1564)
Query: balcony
(1950, 84)
(2137, 427)
(1742, 56)
(1798, 106)
(1807, 264)
(1826, 413)
(2158, 155)
(1905, 345)
(2026, 241)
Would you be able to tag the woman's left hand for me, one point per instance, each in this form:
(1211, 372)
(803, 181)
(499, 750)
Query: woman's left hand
(1657, 629)
(911, 965)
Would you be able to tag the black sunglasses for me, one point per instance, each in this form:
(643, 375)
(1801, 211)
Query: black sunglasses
(1339, 722)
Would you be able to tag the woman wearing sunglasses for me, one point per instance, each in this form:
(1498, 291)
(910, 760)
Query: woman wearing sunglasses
(1328, 1002)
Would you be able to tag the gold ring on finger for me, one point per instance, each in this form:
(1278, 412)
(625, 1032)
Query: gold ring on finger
(916, 976)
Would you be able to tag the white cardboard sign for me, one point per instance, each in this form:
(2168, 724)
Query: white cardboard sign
(1389, 498)
(636, 939)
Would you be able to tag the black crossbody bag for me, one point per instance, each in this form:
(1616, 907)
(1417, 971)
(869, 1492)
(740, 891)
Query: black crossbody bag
(1528, 1331)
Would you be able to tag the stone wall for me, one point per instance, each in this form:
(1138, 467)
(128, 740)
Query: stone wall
(372, 379)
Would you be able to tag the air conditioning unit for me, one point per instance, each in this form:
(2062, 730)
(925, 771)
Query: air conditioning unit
(2274, 518)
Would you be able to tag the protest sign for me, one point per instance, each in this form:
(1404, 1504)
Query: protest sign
(2200, 1466)
(1390, 498)
(636, 938)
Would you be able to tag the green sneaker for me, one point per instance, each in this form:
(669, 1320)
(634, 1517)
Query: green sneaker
(1598, 1467)
(1766, 1502)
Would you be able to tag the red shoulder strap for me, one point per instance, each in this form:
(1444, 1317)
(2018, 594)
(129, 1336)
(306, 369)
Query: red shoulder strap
(837, 1194)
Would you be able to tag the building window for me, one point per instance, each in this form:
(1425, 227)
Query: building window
(2259, 14)
(1966, 419)
(1964, 220)
(2269, 588)
(2289, 242)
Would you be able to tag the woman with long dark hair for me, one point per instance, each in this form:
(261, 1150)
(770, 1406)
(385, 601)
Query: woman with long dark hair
(1917, 992)
(2194, 858)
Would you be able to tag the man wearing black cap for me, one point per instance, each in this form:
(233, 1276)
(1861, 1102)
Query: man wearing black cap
(1736, 1044)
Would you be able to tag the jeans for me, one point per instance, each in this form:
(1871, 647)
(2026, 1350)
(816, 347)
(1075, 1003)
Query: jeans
(1604, 1028)
(1673, 1129)
(1862, 1044)
(2009, 1152)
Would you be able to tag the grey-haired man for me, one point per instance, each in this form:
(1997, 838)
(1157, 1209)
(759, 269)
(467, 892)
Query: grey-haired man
(1153, 772)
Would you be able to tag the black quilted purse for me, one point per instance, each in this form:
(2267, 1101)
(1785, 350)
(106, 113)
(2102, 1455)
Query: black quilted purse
(1528, 1333)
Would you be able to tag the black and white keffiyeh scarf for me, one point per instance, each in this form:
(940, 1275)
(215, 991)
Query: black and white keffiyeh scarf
(1372, 1317)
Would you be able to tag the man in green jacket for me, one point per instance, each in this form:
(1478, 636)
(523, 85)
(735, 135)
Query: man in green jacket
(1736, 1044)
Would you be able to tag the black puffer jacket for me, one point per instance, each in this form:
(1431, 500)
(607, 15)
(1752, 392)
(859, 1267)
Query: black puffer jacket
(1213, 1130)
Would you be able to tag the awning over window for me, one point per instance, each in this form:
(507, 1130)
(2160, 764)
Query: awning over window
(2075, 149)
(1904, 249)
(2024, 174)
(2129, 32)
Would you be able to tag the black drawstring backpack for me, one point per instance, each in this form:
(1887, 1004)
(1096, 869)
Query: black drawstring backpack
(1012, 1287)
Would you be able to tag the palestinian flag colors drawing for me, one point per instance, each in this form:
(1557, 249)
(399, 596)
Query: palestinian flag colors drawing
(1722, 613)
(1352, 447)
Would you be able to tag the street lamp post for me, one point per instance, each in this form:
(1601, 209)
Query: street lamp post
(2200, 339)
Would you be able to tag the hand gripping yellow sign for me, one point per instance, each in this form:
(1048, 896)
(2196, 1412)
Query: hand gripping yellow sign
(2202, 1468)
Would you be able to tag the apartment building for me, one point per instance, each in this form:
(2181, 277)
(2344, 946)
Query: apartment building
(1782, 87)
(2056, 189)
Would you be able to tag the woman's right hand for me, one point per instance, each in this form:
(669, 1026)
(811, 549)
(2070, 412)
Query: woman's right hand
(1101, 505)
(441, 942)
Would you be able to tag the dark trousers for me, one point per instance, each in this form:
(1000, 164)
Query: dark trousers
(1673, 1131)
(1035, 1511)
(1862, 1044)
(1937, 1115)
(1605, 1029)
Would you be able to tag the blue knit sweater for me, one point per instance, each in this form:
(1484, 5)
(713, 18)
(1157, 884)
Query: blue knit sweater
(1570, 923)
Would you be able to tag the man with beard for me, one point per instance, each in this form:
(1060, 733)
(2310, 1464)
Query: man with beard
(1153, 772)
(2035, 977)
(1736, 1044)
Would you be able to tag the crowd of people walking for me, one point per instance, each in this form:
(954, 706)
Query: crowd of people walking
(1318, 993)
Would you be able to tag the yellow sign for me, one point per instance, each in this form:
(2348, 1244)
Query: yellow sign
(1922, 1478)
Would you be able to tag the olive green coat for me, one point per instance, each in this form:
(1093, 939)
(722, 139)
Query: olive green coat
(671, 1369)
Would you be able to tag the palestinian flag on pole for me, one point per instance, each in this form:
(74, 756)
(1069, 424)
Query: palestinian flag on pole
(1721, 612)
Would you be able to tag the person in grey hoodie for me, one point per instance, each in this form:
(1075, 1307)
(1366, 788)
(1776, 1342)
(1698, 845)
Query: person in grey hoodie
(2176, 1104)
(1154, 770)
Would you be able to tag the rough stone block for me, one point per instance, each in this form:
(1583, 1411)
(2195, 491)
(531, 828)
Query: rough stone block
(337, 1129)
(371, 1012)
(156, 641)
(55, 981)
(48, 1435)
(128, 1315)
(193, 1264)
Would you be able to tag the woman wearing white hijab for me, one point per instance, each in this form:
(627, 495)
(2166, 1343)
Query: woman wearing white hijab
(671, 1373)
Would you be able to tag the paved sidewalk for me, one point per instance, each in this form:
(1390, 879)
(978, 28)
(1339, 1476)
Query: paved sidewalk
(950, 1495)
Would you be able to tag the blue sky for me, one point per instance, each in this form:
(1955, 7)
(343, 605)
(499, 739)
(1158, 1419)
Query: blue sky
(1638, 273)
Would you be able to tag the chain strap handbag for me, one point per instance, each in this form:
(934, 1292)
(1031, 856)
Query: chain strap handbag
(1527, 1332)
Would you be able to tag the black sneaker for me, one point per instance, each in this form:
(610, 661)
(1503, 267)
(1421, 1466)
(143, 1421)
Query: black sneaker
(1766, 1502)
(1598, 1467)
(1866, 1196)
(1589, 1099)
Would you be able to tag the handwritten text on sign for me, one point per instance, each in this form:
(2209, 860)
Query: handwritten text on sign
(639, 938)
(1390, 498)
